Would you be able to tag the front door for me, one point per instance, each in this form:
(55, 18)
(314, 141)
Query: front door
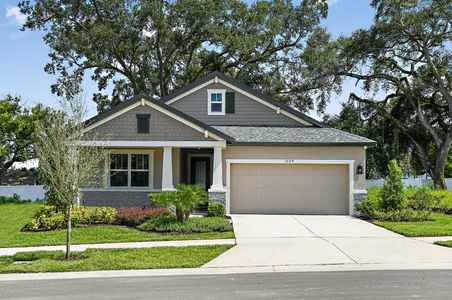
(200, 171)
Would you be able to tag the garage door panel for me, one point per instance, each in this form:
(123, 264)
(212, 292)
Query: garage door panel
(290, 189)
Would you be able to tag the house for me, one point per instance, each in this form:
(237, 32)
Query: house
(246, 149)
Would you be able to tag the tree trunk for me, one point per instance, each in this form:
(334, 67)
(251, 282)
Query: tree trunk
(438, 179)
(180, 215)
(68, 231)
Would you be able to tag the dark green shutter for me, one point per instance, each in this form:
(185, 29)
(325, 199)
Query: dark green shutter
(230, 102)
(143, 123)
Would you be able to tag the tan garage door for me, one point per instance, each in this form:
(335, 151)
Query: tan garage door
(289, 189)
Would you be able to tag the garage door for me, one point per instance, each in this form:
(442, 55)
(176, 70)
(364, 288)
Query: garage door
(289, 189)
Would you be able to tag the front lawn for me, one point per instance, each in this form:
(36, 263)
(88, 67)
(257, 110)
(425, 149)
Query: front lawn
(440, 225)
(13, 218)
(111, 259)
(444, 243)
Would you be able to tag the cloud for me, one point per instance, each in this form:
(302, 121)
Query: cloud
(14, 13)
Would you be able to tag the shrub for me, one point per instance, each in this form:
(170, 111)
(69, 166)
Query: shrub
(184, 200)
(423, 199)
(368, 208)
(50, 218)
(216, 209)
(392, 193)
(14, 199)
(134, 216)
(192, 225)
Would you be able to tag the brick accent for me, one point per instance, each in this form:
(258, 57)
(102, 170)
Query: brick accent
(116, 198)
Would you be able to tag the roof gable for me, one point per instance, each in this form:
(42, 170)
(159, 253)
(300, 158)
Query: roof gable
(142, 100)
(218, 77)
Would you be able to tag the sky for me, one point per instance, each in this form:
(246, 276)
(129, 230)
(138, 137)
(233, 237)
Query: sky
(23, 55)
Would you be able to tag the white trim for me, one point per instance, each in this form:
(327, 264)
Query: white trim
(129, 170)
(209, 102)
(155, 106)
(190, 91)
(350, 164)
(137, 144)
(359, 191)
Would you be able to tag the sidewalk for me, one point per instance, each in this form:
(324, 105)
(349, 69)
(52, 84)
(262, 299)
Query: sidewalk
(83, 247)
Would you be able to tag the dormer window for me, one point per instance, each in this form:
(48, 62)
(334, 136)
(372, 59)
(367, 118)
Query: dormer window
(216, 102)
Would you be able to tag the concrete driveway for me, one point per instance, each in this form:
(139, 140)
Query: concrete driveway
(286, 240)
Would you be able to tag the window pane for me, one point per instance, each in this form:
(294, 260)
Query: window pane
(118, 161)
(216, 97)
(140, 161)
(118, 178)
(140, 178)
(215, 107)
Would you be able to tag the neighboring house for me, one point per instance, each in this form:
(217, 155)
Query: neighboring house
(246, 149)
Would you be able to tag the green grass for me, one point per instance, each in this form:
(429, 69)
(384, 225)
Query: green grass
(440, 225)
(14, 216)
(444, 243)
(112, 259)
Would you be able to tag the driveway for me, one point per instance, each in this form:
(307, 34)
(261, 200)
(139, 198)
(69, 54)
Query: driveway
(283, 240)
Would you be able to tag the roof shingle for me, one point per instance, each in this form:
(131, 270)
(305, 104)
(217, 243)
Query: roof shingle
(272, 135)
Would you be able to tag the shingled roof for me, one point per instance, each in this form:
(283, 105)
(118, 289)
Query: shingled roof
(292, 136)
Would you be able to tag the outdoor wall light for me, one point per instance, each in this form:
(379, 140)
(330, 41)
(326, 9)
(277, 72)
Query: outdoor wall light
(359, 170)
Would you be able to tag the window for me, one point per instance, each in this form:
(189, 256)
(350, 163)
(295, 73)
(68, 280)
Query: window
(216, 100)
(130, 170)
(143, 123)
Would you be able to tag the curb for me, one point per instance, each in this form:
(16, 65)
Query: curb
(225, 271)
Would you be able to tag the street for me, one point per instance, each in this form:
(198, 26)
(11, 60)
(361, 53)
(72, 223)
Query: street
(431, 284)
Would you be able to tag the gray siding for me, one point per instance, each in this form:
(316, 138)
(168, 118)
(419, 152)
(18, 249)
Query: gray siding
(162, 128)
(247, 110)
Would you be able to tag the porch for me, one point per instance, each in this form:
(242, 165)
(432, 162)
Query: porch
(137, 168)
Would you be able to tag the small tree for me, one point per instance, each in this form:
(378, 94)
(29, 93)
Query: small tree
(184, 200)
(392, 193)
(65, 162)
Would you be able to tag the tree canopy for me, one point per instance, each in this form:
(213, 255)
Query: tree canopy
(18, 130)
(406, 54)
(158, 46)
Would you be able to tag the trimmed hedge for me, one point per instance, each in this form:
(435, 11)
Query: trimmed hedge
(216, 209)
(14, 199)
(192, 225)
(50, 218)
(134, 216)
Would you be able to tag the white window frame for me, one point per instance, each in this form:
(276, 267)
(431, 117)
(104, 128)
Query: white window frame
(129, 170)
(223, 102)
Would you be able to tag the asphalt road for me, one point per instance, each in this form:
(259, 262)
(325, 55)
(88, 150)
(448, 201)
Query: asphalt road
(425, 284)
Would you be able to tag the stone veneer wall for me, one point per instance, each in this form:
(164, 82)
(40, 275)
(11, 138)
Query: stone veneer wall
(217, 197)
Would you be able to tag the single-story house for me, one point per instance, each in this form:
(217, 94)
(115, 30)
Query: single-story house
(248, 150)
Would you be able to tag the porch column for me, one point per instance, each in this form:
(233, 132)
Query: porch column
(167, 169)
(217, 178)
